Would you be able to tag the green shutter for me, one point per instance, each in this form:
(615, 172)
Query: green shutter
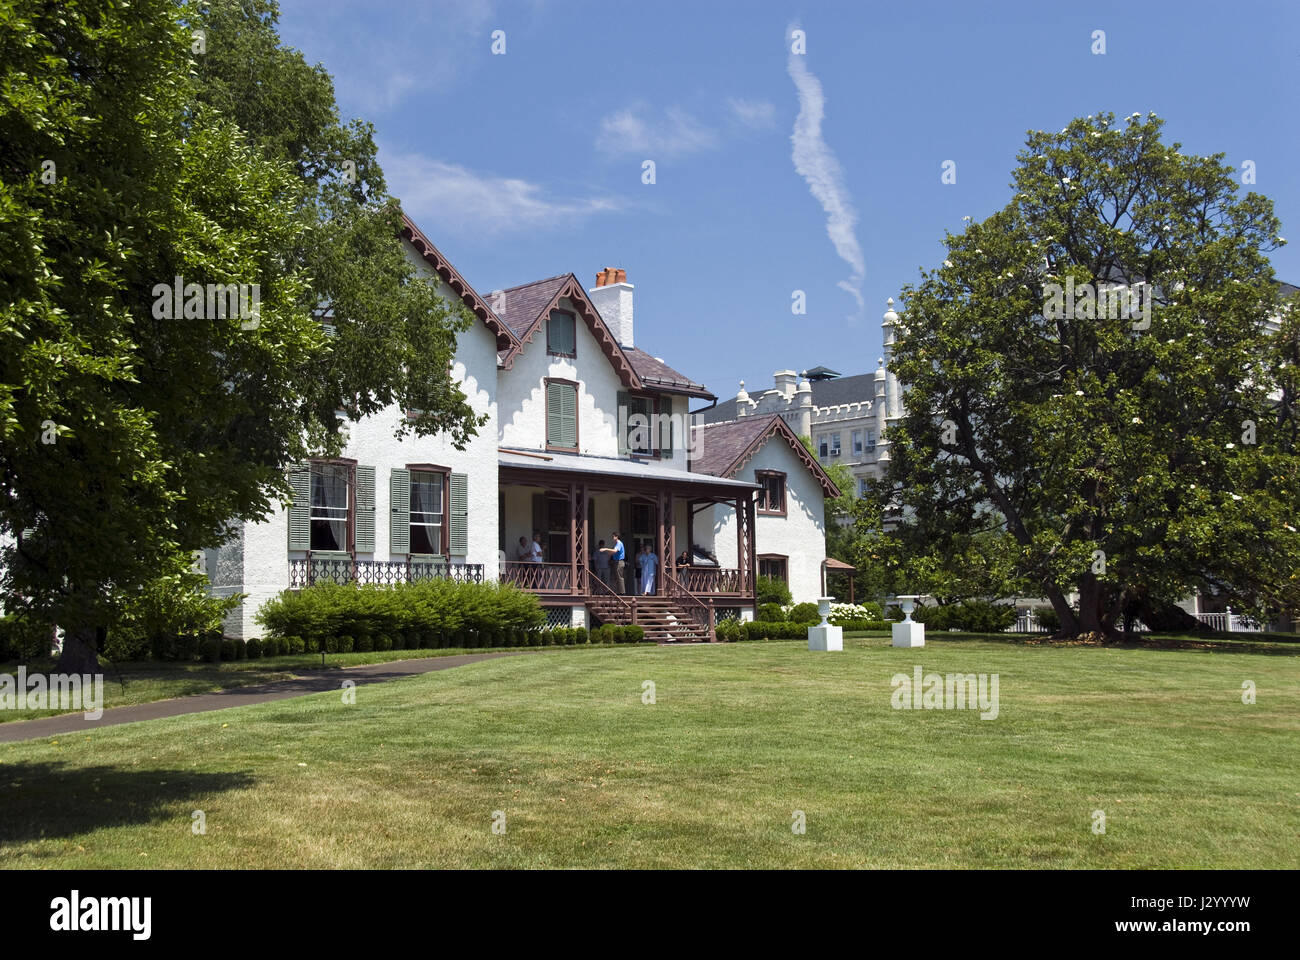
(300, 508)
(365, 526)
(569, 413)
(666, 430)
(561, 415)
(621, 416)
(459, 515)
(399, 521)
(553, 418)
(539, 515)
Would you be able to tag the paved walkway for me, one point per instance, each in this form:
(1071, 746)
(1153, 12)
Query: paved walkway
(318, 682)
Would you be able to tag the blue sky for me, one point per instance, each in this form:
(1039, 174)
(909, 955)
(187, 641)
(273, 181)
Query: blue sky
(528, 164)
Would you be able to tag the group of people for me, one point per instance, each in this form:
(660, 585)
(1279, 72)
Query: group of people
(609, 563)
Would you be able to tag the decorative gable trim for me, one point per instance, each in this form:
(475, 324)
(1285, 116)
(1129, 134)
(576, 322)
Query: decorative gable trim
(451, 276)
(779, 427)
(590, 316)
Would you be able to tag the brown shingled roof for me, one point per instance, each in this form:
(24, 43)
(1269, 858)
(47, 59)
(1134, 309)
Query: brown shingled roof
(520, 306)
(539, 298)
(726, 447)
(656, 373)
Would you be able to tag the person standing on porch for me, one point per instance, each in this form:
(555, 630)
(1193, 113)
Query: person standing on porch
(648, 563)
(600, 562)
(538, 554)
(618, 568)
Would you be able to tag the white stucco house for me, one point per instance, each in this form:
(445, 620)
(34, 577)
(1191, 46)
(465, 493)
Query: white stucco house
(387, 508)
(790, 507)
(587, 436)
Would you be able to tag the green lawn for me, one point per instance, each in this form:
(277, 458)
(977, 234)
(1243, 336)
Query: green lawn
(132, 683)
(741, 737)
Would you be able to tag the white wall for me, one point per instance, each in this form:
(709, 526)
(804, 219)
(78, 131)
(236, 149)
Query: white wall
(256, 561)
(523, 394)
(800, 535)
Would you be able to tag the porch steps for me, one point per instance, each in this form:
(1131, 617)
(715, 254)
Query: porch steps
(663, 619)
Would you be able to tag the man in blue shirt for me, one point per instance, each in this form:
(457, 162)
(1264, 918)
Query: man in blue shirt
(619, 570)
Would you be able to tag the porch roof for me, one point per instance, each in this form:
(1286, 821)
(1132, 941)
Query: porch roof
(614, 467)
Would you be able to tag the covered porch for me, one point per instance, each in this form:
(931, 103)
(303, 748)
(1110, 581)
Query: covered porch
(573, 503)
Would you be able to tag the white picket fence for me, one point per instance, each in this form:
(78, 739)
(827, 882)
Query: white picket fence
(1230, 622)
(1027, 622)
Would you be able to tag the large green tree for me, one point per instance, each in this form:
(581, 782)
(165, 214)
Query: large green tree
(130, 434)
(1134, 450)
(394, 338)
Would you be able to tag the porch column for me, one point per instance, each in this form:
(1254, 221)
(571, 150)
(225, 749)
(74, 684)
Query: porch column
(584, 537)
(742, 567)
(573, 538)
(752, 545)
(663, 539)
(670, 561)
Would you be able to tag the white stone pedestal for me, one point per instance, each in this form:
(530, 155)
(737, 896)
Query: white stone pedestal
(909, 633)
(825, 637)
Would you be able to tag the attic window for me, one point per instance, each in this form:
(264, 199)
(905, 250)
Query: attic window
(561, 336)
(771, 499)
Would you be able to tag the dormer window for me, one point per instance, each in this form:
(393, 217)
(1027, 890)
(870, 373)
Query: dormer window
(561, 334)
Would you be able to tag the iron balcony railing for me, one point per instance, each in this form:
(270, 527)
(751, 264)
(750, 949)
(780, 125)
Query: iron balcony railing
(304, 573)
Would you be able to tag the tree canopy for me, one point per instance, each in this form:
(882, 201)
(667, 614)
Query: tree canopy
(1092, 381)
(146, 148)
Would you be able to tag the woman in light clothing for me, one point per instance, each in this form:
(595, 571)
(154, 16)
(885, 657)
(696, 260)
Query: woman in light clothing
(648, 563)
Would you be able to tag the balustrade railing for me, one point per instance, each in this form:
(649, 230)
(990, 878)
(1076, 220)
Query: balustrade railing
(725, 580)
(305, 573)
(542, 577)
(700, 612)
(1229, 622)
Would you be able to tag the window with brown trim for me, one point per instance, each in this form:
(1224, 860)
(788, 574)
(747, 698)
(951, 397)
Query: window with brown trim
(562, 334)
(774, 565)
(771, 499)
(428, 516)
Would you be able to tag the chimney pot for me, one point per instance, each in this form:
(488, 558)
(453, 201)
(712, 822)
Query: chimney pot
(621, 276)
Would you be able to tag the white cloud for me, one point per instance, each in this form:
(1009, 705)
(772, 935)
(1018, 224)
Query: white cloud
(635, 130)
(438, 194)
(757, 114)
(818, 165)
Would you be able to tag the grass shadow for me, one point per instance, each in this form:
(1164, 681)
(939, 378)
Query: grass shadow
(53, 799)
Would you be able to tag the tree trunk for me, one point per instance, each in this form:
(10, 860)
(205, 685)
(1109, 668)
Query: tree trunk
(81, 650)
(1069, 622)
(1091, 615)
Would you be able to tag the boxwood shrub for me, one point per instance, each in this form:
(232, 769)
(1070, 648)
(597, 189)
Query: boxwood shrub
(436, 613)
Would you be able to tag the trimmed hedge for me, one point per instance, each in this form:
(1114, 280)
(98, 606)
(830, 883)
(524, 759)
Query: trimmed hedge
(860, 625)
(436, 613)
(773, 630)
(972, 616)
(769, 612)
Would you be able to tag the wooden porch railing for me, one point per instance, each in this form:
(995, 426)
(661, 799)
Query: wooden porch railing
(304, 573)
(700, 612)
(599, 588)
(542, 577)
(725, 580)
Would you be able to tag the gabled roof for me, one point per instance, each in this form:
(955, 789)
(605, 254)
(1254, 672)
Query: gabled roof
(506, 339)
(727, 447)
(656, 374)
(525, 307)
